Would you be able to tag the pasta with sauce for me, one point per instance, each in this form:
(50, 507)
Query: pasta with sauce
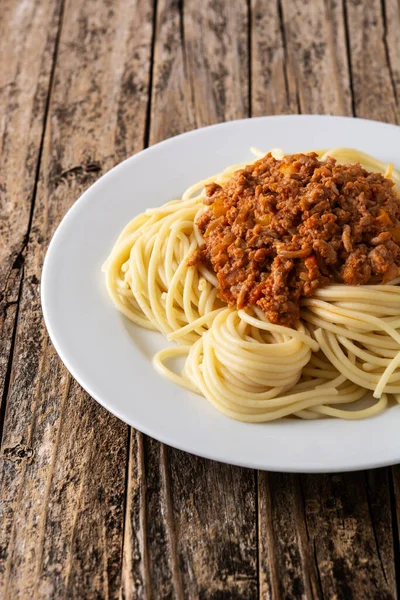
(310, 321)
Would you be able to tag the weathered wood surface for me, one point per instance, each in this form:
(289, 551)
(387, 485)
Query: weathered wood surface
(89, 508)
(63, 465)
(27, 53)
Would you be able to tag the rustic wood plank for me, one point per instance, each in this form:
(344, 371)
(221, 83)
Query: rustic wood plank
(215, 44)
(373, 87)
(214, 507)
(78, 551)
(190, 529)
(287, 569)
(348, 525)
(395, 500)
(300, 62)
(25, 78)
(171, 102)
(165, 575)
(391, 40)
(326, 536)
(316, 50)
(135, 567)
(272, 84)
(27, 59)
(63, 462)
(8, 318)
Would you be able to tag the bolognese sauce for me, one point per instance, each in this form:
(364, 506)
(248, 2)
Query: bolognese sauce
(280, 229)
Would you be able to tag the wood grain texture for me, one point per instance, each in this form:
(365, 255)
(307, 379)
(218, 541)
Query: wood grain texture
(190, 526)
(395, 504)
(391, 40)
(371, 72)
(326, 536)
(215, 42)
(300, 61)
(349, 527)
(24, 84)
(135, 567)
(273, 89)
(171, 100)
(63, 463)
(89, 508)
(287, 568)
(215, 526)
(316, 50)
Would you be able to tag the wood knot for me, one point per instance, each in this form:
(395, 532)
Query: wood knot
(79, 172)
(18, 453)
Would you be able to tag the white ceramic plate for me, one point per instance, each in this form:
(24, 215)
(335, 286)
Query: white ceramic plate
(111, 358)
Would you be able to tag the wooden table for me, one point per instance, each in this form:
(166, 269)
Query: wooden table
(90, 508)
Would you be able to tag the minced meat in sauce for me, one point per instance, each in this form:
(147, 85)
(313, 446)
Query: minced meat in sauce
(280, 229)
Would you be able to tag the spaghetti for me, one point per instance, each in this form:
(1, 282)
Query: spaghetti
(346, 342)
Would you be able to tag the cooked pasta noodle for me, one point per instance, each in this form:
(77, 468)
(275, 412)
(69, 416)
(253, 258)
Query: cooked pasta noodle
(346, 343)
